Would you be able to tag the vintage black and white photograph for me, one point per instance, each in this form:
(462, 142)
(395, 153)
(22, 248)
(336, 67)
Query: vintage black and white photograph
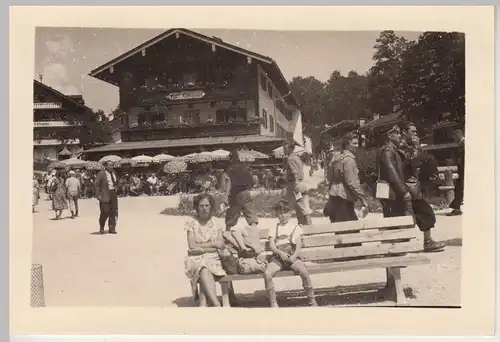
(180, 167)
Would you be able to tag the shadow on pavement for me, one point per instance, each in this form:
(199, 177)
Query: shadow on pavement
(352, 295)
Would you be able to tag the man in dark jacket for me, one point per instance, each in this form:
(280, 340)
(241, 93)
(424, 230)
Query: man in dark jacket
(240, 201)
(106, 184)
(405, 196)
(458, 136)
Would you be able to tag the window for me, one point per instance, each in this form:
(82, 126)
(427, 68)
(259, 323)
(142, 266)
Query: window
(264, 115)
(192, 116)
(271, 123)
(263, 82)
(233, 115)
(189, 78)
(270, 90)
(141, 119)
(158, 117)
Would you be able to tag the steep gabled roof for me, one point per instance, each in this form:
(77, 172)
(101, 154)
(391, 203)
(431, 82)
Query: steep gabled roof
(267, 61)
(72, 99)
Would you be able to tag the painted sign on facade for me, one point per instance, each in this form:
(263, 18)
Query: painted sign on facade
(186, 95)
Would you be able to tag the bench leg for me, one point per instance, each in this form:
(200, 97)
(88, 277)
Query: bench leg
(225, 294)
(390, 279)
(397, 286)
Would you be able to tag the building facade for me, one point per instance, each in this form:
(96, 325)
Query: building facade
(184, 92)
(56, 123)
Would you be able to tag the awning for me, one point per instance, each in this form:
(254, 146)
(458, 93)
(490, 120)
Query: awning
(154, 144)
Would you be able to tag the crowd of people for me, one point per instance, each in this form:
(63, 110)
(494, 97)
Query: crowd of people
(212, 248)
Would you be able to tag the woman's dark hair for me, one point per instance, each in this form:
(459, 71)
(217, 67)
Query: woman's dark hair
(346, 139)
(198, 198)
(282, 207)
(406, 125)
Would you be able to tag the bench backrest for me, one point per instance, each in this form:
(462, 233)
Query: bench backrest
(374, 237)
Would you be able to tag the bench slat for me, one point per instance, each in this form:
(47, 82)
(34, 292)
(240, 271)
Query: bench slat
(373, 223)
(364, 236)
(328, 252)
(353, 265)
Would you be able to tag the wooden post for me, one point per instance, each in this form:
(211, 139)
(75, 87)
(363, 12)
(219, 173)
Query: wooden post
(448, 178)
(225, 294)
(397, 289)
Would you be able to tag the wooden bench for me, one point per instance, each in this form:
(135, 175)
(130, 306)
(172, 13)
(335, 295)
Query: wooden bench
(388, 243)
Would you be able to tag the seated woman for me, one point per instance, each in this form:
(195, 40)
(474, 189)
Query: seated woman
(203, 264)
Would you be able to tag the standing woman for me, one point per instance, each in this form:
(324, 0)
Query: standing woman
(58, 191)
(36, 193)
(345, 188)
(204, 235)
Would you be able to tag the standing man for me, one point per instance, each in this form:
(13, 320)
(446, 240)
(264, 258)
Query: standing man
(422, 211)
(106, 183)
(240, 200)
(458, 136)
(73, 188)
(296, 190)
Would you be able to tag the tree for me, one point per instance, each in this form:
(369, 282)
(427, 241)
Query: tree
(383, 77)
(433, 78)
(346, 97)
(310, 95)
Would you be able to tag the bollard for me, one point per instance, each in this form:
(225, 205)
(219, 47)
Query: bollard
(37, 290)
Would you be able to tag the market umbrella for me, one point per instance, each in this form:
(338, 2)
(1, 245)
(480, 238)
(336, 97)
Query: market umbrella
(56, 165)
(160, 158)
(220, 154)
(65, 152)
(93, 165)
(251, 155)
(112, 158)
(74, 162)
(202, 157)
(142, 159)
(124, 162)
(175, 166)
(279, 152)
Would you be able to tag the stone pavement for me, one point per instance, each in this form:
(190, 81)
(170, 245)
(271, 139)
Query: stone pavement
(143, 264)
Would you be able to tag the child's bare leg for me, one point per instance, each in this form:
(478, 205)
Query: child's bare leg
(269, 273)
(299, 268)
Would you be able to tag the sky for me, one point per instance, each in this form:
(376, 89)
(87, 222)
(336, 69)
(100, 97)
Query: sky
(65, 56)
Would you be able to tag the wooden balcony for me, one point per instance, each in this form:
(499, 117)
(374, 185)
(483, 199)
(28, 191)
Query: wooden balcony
(161, 132)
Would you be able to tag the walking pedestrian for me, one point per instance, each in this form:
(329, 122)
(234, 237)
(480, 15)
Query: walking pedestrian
(296, 189)
(73, 188)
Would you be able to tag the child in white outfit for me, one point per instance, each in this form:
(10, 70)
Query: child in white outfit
(285, 243)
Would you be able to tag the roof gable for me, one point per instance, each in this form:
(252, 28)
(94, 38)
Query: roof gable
(71, 99)
(268, 63)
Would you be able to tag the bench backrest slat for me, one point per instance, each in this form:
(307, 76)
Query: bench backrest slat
(372, 223)
(372, 249)
(372, 235)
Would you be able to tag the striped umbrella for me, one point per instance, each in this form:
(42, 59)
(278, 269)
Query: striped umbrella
(74, 162)
(175, 166)
(93, 165)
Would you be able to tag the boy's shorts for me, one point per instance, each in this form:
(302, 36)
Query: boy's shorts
(284, 265)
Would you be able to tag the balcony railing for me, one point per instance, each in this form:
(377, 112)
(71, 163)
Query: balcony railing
(47, 105)
(54, 123)
(161, 132)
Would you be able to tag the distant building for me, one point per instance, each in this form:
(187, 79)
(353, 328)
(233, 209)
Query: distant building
(57, 119)
(183, 92)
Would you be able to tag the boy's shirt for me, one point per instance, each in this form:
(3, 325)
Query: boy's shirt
(290, 232)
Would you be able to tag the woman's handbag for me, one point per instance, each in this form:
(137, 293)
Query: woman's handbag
(382, 188)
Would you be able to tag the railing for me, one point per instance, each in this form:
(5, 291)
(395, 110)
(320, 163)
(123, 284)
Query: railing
(47, 105)
(54, 123)
(194, 131)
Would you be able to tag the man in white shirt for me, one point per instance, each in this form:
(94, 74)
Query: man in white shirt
(153, 184)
